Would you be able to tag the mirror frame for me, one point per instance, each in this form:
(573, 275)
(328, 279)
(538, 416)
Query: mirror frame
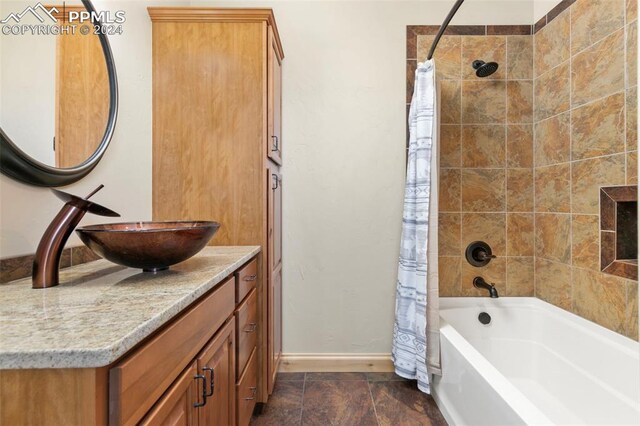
(20, 166)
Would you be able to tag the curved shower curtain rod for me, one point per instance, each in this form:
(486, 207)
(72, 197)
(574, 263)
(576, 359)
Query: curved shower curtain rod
(444, 26)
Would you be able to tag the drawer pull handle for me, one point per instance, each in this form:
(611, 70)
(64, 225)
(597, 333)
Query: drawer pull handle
(211, 377)
(250, 277)
(275, 146)
(204, 392)
(251, 327)
(253, 394)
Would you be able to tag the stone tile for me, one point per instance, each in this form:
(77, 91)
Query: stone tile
(485, 48)
(520, 145)
(598, 128)
(509, 30)
(632, 54)
(540, 24)
(450, 146)
(552, 44)
(495, 273)
(284, 407)
(334, 402)
(449, 234)
(14, 268)
(519, 190)
(449, 196)
(520, 57)
(600, 298)
(631, 10)
(593, 20)
(483, 145)
(450, 99)
(632, 119)
(410, 79)
(82, 254)
(631, 312)
(553, 283)
(520, 241)
(482, 102)
(585, 249)
(598, 70)
(447, 55)
(558, 9)
(632, 168)
(519, 101)
(520, 277)
(386, 377)
(289, 377)
(483, 190)
(342, 376)
(553, 188)
(588, 176)
(487, 227)
(553, 140)
(553, 237)
(402, 404)
(551, 92)
(449, 275)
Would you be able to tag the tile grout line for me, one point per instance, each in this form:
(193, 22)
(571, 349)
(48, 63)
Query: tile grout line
(571, 164)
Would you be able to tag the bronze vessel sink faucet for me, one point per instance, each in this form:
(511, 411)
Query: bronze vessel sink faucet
(47, 259)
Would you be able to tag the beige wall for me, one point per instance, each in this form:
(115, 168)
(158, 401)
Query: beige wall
(585, 137)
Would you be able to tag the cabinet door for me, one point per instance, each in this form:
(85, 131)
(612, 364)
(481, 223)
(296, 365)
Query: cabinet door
(177, 406)
(274, 147)
(216, 363)
(274, 308)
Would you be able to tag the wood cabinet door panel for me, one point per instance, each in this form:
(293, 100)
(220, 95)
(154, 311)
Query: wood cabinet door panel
(217, 362)
(176, 407)
(247, 330)
(274, 144)
(246, 391)
(247, 278)
(274, 296)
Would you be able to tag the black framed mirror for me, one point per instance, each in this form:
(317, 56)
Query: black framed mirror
(17, 163)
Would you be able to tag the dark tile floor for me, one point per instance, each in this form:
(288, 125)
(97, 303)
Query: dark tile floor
(347, 399)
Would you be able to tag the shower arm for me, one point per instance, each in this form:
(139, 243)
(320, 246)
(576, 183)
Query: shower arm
(443, 27)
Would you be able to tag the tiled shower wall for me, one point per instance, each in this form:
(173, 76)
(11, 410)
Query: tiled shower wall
(486, 161)
(585, 137)
(534, 199)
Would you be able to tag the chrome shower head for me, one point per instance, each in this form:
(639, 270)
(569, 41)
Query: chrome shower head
(484, 69)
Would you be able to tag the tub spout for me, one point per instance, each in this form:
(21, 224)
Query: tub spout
(479, 282)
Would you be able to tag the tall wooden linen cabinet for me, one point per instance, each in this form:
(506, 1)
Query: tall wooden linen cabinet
(217, 145)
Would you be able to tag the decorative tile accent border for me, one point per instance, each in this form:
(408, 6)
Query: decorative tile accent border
(609, 232)
(14, 268)
(553, 13)
(413, 31)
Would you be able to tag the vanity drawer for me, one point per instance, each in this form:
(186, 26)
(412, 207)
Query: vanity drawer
(137, 382)
(246, 390)
(247, 330)
(247, 279)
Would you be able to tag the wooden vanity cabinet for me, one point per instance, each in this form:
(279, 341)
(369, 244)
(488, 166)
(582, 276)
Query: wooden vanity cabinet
(177, 406)
(217, 140)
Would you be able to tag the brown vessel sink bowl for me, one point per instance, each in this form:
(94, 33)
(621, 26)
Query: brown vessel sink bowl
(150, 246)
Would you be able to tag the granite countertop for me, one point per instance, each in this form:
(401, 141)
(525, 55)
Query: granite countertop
(101, 310)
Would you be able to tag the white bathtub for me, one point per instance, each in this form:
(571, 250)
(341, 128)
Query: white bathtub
(533, 364)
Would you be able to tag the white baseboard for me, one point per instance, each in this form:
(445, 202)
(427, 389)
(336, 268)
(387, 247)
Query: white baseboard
(298, 363)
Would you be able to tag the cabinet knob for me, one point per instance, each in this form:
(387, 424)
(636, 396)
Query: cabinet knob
(211, 377)
(204, 391)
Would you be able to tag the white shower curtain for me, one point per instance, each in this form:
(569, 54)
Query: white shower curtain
(416, 338)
